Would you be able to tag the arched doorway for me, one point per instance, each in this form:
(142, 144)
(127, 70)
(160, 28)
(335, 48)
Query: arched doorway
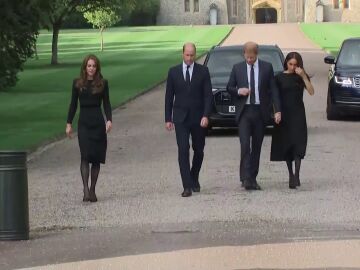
(266, 11)
(266, 15)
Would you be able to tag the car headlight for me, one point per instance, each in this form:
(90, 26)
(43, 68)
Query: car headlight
(343, 80)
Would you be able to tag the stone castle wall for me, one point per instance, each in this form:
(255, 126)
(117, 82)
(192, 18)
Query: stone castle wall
(172, 12)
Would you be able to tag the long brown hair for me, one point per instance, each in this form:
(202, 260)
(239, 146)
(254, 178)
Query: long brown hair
(298, 58)
(98, 83)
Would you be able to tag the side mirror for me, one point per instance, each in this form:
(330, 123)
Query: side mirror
(329, 59)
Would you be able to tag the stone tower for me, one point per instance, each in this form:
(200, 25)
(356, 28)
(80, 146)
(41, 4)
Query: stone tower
(310, 11)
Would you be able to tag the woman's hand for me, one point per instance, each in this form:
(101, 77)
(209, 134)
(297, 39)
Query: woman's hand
(300, 72)
(108, 126)
(306, 80)
(68, 130)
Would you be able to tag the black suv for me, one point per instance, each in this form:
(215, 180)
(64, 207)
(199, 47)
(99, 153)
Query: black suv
(344, 80)
(220, 61)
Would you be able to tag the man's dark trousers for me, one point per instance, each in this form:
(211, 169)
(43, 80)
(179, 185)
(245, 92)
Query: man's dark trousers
(251, 134)
(190, 176)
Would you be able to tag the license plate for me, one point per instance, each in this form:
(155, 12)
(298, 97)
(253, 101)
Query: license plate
(231, 109)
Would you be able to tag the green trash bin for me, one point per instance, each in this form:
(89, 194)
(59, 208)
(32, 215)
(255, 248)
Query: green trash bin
(14, 208)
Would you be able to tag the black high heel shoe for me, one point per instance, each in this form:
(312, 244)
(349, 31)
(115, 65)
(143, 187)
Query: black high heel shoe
(86, 197)
(92, 197)
(292, 182)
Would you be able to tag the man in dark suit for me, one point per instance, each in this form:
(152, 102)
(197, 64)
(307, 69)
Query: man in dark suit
(188, 103)
(256, 96)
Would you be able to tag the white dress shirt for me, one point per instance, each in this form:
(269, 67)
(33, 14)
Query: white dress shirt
(256, 74)
(191, 68)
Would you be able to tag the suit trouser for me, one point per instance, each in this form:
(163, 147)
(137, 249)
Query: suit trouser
(251, 134)
(190, 177)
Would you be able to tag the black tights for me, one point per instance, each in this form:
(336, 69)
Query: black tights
(297, 168)
(84, 169)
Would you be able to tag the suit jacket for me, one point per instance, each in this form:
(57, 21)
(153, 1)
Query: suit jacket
(190, 102)
(268, 91)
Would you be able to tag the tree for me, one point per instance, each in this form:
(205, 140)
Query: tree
(56, 11)
(19, 20)
(143, 13)
(147, 6)
(102, 18)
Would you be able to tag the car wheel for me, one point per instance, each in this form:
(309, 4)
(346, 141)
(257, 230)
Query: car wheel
(331, 112)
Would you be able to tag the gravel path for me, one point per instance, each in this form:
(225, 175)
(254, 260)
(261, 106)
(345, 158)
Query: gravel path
(140, 184)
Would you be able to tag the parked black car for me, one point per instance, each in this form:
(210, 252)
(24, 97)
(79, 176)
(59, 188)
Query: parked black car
(344, 80)
(220, 61)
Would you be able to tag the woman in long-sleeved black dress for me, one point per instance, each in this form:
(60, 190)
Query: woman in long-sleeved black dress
(289, 139)
(91, 90)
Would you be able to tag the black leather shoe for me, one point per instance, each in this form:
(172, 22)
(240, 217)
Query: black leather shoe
(297, 181)
(251, 185)
(186, 193)
(256, 186)
(195, 189)
(248, 185)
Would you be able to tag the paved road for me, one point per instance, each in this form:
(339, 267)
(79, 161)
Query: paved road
(140, 209)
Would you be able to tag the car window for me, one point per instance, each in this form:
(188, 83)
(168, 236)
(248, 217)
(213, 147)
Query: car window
(272, 57)
(220, 63)
(349, 54)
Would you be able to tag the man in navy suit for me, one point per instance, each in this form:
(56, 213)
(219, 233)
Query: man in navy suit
(188, 103)
(256, 97)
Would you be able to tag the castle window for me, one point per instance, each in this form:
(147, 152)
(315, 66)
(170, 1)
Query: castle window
(235, 8)
(196, 6)
(341, 4)
(187, 5)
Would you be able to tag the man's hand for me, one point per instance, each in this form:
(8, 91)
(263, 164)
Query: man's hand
(204, 122)
(169, 126)
(243, 91)
(277, 117)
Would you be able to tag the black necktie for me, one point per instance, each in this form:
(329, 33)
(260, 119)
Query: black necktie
(252, 85)
(187, 75)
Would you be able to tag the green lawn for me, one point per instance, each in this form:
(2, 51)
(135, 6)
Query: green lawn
(134, 59)
(330, 35)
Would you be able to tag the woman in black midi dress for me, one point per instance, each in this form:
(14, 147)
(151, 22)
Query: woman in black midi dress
(91, 90)
(289, 139)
